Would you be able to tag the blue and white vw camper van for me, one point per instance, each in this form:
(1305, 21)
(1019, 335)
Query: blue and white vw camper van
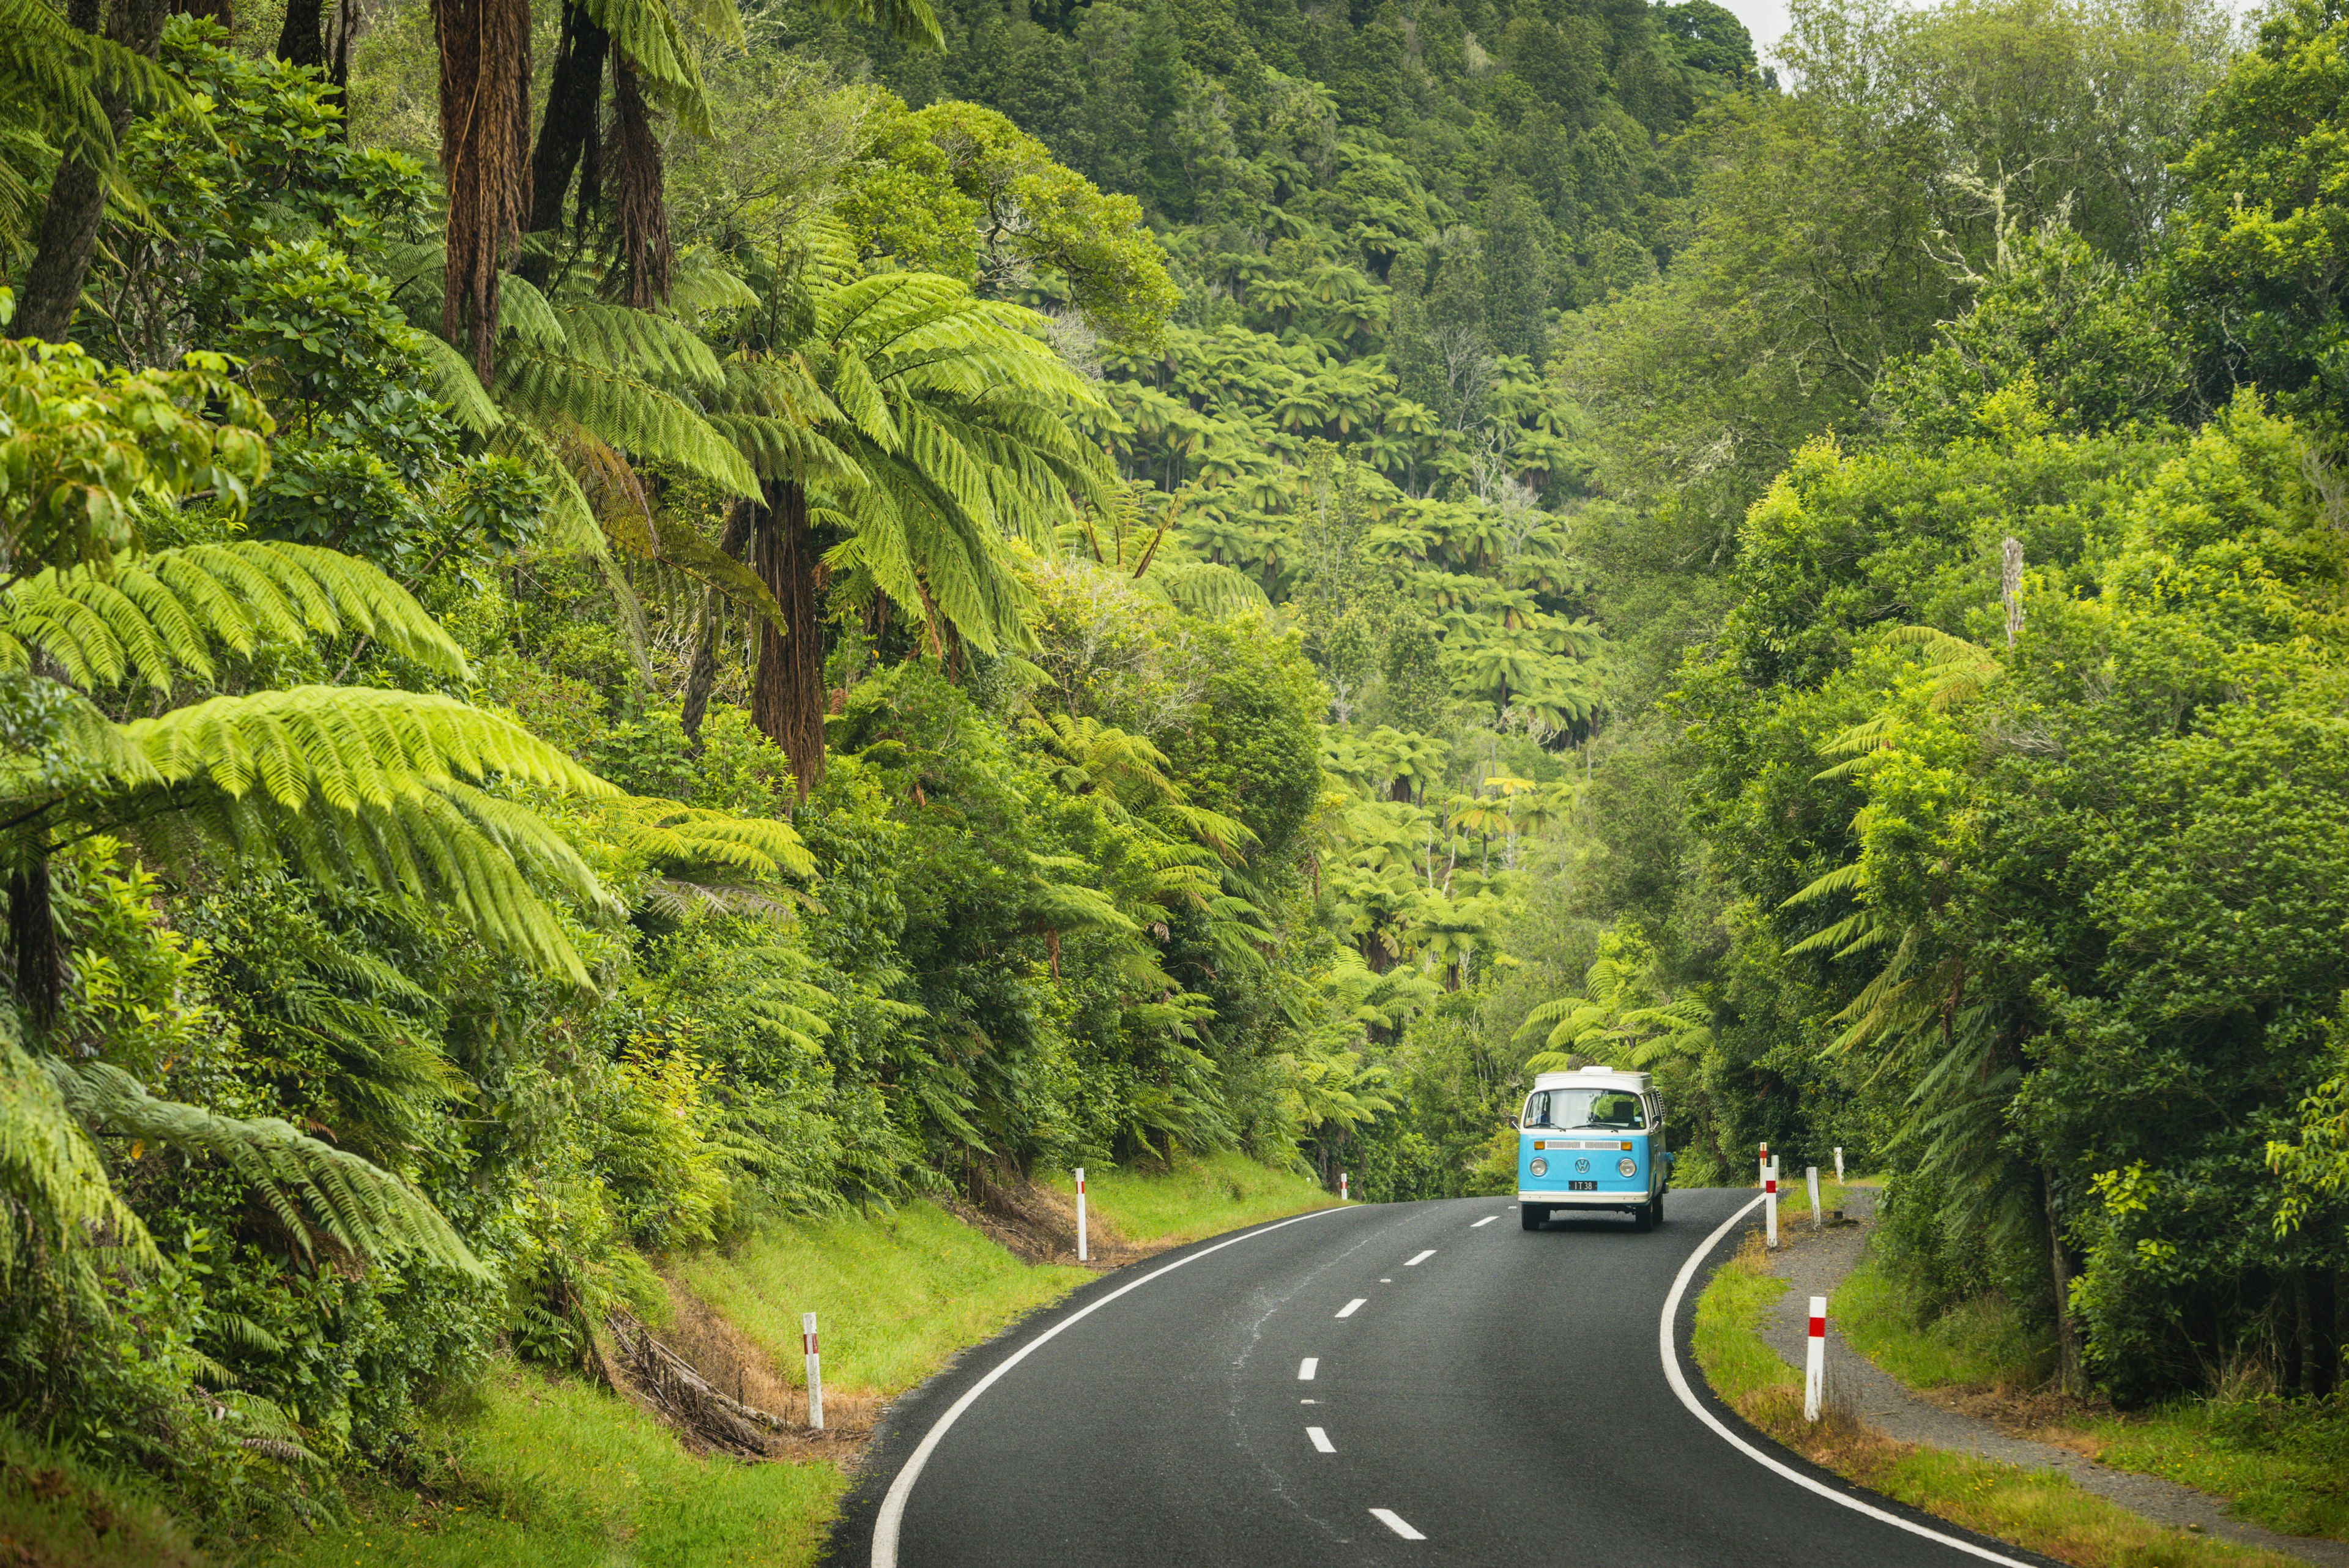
(1592, 1139)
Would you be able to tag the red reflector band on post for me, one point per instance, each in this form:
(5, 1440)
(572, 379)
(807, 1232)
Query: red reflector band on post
(1818, 1328)
(1774, 1184)
(807, 1344)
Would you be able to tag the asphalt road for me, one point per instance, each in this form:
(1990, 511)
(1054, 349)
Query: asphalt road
(1501, 1396)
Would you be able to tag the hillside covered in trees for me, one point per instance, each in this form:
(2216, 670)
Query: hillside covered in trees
(623, 618)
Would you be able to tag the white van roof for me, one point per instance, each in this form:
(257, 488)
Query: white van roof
(1595, 1078)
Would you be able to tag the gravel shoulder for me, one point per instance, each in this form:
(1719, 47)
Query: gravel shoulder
(1813, 1261)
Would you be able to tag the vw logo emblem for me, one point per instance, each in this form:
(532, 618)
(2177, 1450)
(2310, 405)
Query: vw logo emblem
(1582, 1165)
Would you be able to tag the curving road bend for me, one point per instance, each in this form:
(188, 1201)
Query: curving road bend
(1420, 1383)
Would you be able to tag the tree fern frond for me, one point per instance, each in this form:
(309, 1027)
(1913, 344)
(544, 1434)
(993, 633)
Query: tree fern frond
(154, 614)
(623, 411)
(454, 383)
(640, 343)
(311, 1187)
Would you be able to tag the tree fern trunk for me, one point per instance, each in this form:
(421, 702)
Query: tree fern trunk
(77, 203)
(703, 676)
(484, 159)
(787, 696)
(639, 202)
(302, 41)
(567, 136)
(2069, 1377)
(33, 951)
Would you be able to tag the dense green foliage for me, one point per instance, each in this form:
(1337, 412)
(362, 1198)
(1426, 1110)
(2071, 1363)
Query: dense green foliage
(958, 594)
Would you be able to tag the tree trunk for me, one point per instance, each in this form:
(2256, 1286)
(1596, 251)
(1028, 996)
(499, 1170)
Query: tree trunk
(787, 695)
(303, 40)
(484, 159)
(703, 676)
(567, 138)
(77, 203)
(32, 951)
(639, 202)
(2068, 1377)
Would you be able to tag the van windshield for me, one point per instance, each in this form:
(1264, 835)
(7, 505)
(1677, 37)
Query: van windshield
(1614, 1110)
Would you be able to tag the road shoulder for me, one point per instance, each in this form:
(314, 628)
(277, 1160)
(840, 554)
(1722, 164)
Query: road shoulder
(1814, 1261)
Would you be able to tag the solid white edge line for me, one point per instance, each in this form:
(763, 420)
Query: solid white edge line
(1670, 1347)
(1394, 1522)
(1420, 1259)
(892, 1518)
(1487, 1219)
(1307, 1367)
(1321, 1439)
(1351, 1307)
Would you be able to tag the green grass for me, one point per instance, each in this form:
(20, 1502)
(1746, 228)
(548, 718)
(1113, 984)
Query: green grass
(2284, 1466)
(58, 1512)
(553, 1474)
(2280, 1465)
(2041, 1510)
(1980, 1342)
(1199, 1198)
(895, 1295)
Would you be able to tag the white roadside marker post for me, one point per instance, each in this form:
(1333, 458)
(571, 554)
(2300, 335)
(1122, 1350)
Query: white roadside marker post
(815, 1370)
(1083, 1254)
(1341, 1189)
(1838, 1168)
(1819, 1215)
(1770, 1201)
(1815, 1360)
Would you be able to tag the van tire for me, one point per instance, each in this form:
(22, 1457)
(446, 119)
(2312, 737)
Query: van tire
(1643, 1218)
(1656, 1206)
(1531, 1215)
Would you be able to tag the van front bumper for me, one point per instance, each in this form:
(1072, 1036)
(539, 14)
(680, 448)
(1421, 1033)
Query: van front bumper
(1631, 1199)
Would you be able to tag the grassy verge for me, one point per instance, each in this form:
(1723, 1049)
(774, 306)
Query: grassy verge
(2283, 1466)
(540, 1473)
(535, 1471)
(894, 1296)
(1199, 1198)
(1981, 1342)
(2040, 1511)
(57, 1513)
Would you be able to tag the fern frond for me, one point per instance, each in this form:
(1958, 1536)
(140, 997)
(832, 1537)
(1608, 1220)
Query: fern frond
(154, 615)
(311, 1187)
(1842, 879)
(641, 343)
(622, 410)
(454, 383)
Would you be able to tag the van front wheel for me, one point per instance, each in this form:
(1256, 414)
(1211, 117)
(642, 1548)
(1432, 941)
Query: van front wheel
(1643, 1218)
(1531, 1215)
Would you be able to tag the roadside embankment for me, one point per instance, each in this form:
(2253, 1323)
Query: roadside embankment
(524, 1470)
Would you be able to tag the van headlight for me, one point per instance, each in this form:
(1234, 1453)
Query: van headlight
(1627, 1168)
(1540, 1167)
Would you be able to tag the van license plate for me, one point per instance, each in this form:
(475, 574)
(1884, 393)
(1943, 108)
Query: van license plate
(1582, 1186)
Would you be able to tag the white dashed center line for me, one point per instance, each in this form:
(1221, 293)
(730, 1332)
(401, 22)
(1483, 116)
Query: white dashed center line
(1351, 1307)
(1321, 1439)
(1305, 1368)
(1487, 1219)
(1394, 1522)
(1415, 1263)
